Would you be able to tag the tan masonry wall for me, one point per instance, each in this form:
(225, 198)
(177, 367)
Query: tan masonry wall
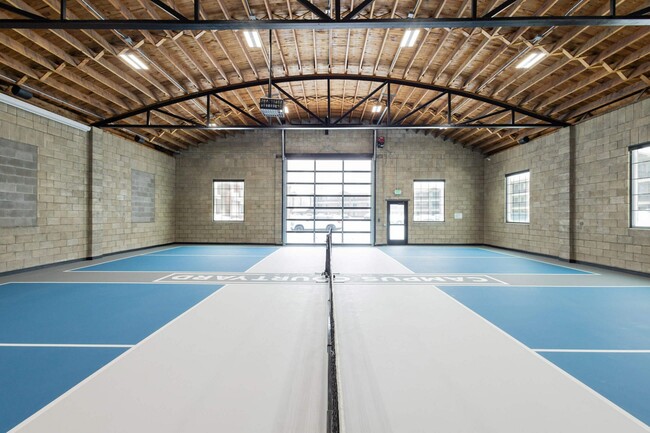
(409, 156)
(255, 158)
(579, 192)
(66, 226)
(595, 228)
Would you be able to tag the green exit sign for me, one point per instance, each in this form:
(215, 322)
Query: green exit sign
(398, 192)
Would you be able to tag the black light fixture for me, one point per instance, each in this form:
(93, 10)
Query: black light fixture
(16, 90)
(139, 139)
(523, 140)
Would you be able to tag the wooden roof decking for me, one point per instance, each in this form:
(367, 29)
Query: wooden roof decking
(586, 70)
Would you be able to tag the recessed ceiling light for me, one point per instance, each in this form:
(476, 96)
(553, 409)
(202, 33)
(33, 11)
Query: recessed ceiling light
(286, 108)
(253, 38)
(133, 61)
(409, 38)
(531, 59)
(376, 108)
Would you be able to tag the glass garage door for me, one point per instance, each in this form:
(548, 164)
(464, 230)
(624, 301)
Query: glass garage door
(328, 193)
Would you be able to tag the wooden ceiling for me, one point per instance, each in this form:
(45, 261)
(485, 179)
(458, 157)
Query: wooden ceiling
(585, 71)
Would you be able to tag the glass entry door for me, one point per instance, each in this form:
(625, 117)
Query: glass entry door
(328, 193)
(397, 222)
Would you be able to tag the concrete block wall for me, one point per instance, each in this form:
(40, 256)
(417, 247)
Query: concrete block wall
(119, 231)
(62, 210)
(255, 158)
(409, 156)
(343, 141)
(18, 180)
(598, 150)
(77, 174)
(547, 158)
(602, 199)
(143, 197)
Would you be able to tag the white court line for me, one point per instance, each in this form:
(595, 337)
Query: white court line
(549, 263)
(99, 282)
(115, 260)
(590, 351)
(454, 257)
(203, 255)
(564, 373)
(94, 346)
(250, 267)
(114, 361)
(496, 279)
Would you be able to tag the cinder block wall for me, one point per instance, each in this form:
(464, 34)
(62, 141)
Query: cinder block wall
(255, 158)
(83, 193)
(602, 233)
(409, 156)
(62, 211)
(118, 230)
(547, 158)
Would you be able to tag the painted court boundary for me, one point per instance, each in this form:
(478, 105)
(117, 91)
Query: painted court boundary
(557, 368)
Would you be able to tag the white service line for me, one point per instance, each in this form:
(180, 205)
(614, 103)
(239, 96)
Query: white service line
(94, 346)
(549, 263)
(591, 351)
(205, 255)
(54, 402)
(115, 260)
(561, 371)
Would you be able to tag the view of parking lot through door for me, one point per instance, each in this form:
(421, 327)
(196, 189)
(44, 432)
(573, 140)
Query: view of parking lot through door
(328, 193)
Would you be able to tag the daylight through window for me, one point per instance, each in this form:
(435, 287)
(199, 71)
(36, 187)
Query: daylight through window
(518, 197)
(640, 200)
(429, 200)
(228, 200)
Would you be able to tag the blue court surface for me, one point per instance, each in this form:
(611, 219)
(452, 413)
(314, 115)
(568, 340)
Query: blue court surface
(56, 314)
(32, 377)
(222, 258)
(471, 260)
(572, 326)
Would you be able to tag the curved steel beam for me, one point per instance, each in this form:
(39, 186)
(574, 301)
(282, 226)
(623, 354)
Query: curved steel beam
(315, 77)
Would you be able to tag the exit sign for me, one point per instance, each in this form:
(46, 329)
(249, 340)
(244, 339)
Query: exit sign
(398, 192)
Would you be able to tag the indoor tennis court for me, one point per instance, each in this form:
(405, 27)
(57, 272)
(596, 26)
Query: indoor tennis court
(324, 216)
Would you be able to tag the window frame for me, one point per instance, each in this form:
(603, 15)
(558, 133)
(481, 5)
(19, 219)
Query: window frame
(516, 173)
(444, 200)
(631, 149)
(214, 201)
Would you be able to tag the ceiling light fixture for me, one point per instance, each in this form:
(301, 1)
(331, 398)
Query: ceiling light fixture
(376, 108)
(531, 59)
(133, 61)
(253, 38)
(410, 36)
(286, 109)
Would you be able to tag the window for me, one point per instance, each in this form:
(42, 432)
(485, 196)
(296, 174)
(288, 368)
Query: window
(228, 200)
(517, 197)
(429, 200)
(640, 200)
